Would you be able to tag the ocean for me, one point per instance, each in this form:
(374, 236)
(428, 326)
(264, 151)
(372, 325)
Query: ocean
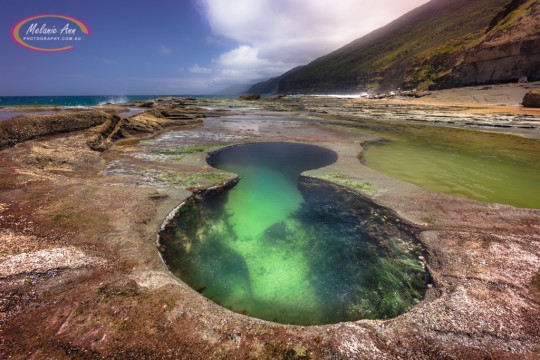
(83, 100)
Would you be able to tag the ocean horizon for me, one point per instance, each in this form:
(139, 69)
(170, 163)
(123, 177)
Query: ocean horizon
(87, 100)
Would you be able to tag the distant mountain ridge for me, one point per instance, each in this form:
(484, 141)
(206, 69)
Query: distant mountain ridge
(271, 85)
(441, 44)
(234, 90)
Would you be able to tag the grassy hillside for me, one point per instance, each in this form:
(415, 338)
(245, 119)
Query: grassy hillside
(413, 51)
(270, 86)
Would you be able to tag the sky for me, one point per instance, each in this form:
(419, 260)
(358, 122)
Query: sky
(180, 47)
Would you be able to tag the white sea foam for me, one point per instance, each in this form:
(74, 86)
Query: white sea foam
(115, 100)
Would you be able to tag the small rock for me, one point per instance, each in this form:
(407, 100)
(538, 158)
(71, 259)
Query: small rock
(250, 97)
(147, 104)
(532, 99)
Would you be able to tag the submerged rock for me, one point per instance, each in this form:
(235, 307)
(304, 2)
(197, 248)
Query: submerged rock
(532, 99)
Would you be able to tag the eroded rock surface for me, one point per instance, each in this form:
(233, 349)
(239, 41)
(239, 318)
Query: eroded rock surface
(82, 277)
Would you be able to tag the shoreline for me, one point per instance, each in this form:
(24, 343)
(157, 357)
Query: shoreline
(438, 109)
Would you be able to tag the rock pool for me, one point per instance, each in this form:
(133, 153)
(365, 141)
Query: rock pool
(291, 249)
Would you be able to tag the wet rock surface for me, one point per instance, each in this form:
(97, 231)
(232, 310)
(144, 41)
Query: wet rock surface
(455, 107)
(81, 276)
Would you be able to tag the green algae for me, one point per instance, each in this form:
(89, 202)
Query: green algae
(193, 180)
(340, 179)
(483, 166)
(182, 179)
(182, 150)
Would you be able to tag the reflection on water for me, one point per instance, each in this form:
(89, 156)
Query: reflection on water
(293, 252)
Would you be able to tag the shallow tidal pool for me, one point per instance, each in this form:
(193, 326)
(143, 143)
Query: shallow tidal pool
(290, 249)
(484, 166)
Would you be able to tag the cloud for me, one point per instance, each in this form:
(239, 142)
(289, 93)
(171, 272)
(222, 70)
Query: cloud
(244, 64)
(276, 35)
(164, 50)
(196, 69)
(243, 56)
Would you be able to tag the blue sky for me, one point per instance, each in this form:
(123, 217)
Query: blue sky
(181, 46)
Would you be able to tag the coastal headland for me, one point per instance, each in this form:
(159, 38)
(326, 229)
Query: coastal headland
(81, 207)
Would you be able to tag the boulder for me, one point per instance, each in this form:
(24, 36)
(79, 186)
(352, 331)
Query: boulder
(250, 97)
(532, 99)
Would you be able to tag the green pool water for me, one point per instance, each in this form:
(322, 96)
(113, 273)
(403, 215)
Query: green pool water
(293, 250)
(484, 166)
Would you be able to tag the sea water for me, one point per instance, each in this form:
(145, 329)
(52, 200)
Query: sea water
(83, 100)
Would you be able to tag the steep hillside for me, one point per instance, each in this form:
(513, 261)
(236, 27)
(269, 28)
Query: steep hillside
(270, 86)
(510, 49)
(443, 43)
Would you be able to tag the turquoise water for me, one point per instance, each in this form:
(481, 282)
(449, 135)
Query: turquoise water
(293, 251)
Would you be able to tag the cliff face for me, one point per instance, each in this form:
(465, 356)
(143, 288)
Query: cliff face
(444, 43)
(510, 50)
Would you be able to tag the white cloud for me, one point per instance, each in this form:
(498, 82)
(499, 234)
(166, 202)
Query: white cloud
(276, 35)
(243, 56)
(244, 65)
(164, 50)
(196, 69)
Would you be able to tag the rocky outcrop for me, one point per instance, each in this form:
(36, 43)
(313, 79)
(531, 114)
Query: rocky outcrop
(250, 97)
(165, 112)
(496, 64)
(178, 114)
(118, 128)
(28, 127)
(175, 108)
(509, 51)
(532, 99)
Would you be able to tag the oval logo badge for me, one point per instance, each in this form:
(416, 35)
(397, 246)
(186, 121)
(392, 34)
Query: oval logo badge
(49, 33)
